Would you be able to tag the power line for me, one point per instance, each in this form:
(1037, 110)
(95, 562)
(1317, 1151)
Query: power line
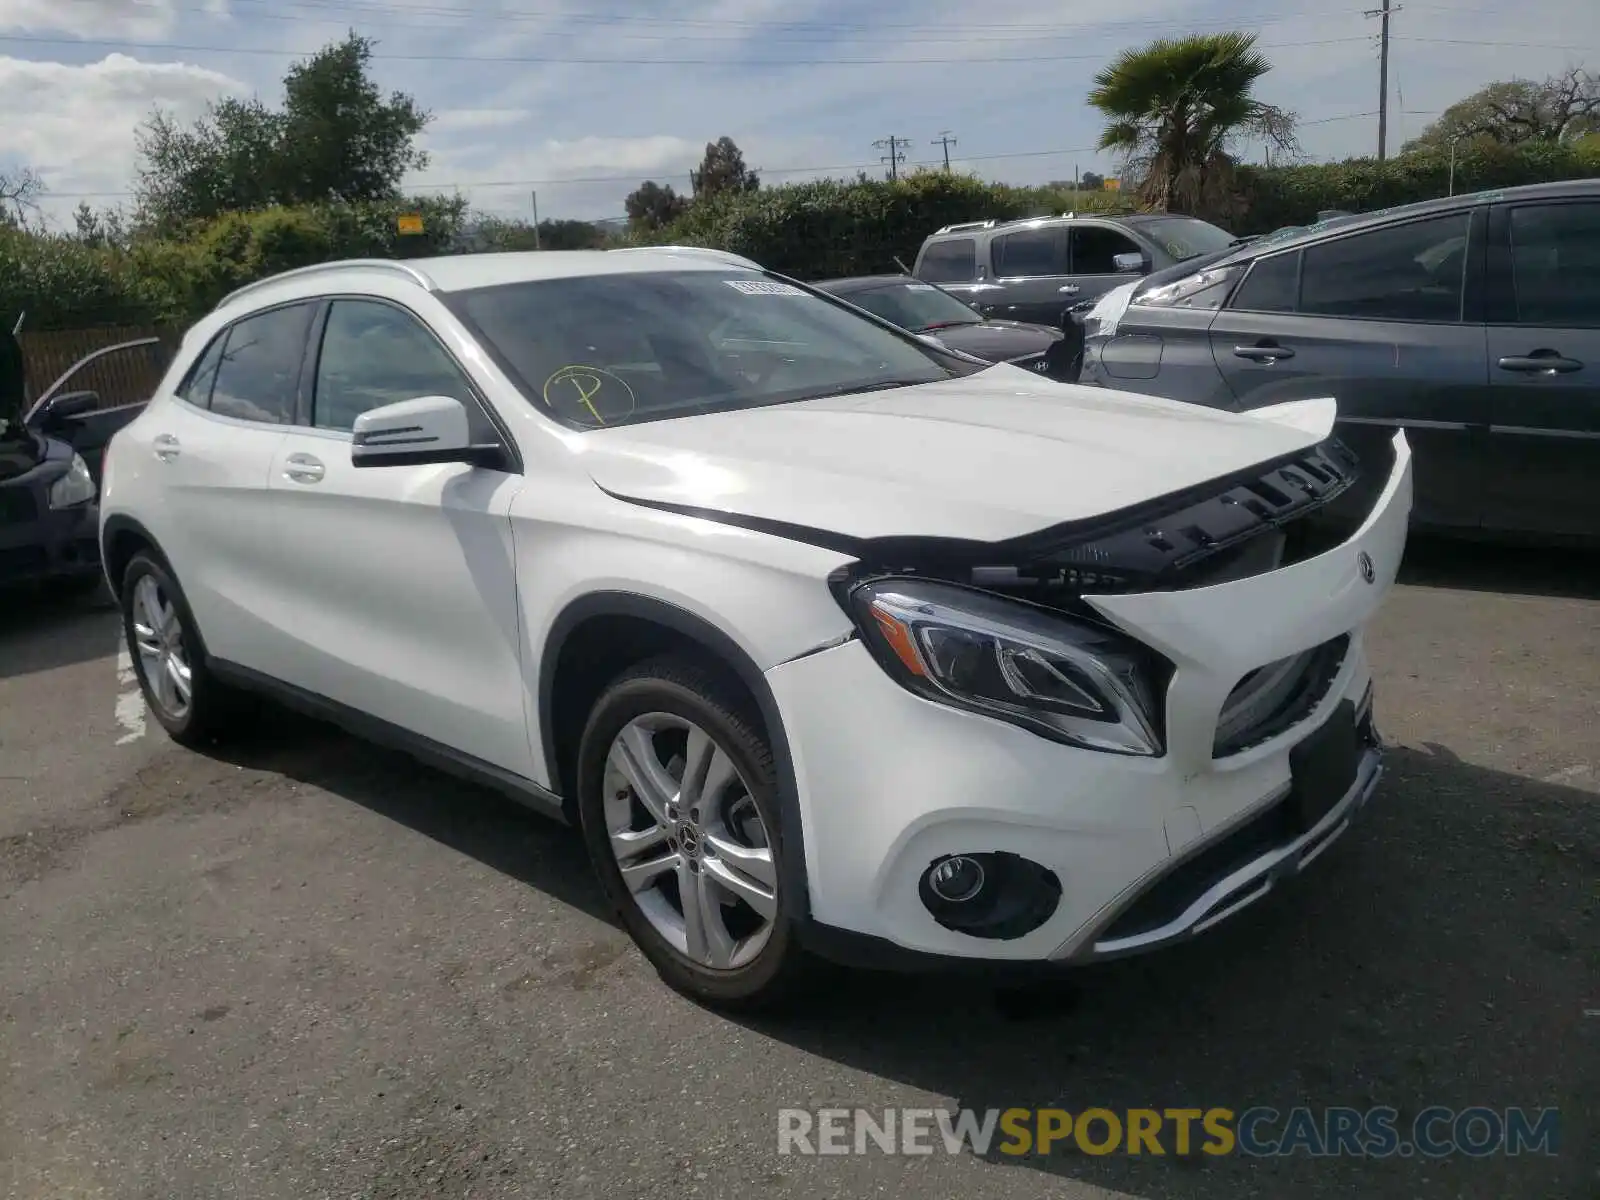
(379, 7)
(797, 33)
(636, 177)
(187, 48)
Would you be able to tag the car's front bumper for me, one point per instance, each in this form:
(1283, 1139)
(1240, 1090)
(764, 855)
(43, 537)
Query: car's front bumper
(1147, 851)
(39, 543)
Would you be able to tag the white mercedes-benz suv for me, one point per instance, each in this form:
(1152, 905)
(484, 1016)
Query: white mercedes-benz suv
(833, 641)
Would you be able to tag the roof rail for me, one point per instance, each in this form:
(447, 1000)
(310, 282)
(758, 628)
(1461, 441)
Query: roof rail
(725, 256)
(348, 264)
(963, 226)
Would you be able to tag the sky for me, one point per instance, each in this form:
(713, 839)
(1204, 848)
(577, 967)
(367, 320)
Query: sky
(579, 104)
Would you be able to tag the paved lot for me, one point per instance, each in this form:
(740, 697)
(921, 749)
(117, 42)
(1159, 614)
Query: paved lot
(315, 969)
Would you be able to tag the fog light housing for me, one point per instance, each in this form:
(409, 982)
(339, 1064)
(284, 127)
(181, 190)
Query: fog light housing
(957, 879)
(993, 894)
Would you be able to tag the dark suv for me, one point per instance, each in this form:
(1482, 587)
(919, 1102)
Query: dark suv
(1472, 322)
(1034, 270)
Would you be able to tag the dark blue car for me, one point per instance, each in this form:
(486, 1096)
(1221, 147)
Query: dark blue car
(50, 453)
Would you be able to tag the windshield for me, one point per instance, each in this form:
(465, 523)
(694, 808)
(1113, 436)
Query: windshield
(915, 306)
(1186, 237)
(605, 350)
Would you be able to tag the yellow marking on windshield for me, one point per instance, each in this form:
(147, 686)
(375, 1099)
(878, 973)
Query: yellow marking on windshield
(588, 382)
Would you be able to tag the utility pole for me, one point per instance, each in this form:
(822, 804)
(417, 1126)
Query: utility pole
(536, 221)
(1383, 15)
(944, 139)
(896, 155)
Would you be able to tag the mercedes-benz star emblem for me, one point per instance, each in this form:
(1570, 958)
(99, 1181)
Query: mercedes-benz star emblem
(1364, 565)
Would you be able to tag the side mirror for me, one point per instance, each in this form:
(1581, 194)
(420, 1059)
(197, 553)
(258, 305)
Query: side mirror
(429, 429)
(64, 406)
(1132, 263)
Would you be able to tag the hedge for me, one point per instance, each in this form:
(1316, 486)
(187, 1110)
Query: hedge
(809, 230)
(62, 283)
(835, 227)
(1277, 196)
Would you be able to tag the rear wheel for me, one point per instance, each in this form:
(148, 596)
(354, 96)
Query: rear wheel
(191, 704)
(677, 794)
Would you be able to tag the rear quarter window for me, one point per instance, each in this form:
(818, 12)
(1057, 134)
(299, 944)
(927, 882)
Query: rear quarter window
(952, 261)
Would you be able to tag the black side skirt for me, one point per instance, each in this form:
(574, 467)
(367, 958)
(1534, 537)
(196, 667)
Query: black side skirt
(372, 729)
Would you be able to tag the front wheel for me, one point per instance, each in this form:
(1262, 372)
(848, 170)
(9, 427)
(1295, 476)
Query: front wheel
(677, 795)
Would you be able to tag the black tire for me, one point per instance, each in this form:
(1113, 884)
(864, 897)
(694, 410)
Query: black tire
(215, 710)
(684, 688)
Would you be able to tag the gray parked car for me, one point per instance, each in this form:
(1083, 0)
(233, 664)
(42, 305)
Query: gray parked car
(1034, 270)
(1472, 322)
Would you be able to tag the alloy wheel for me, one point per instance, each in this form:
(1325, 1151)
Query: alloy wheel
(689, 841)
(163, 659)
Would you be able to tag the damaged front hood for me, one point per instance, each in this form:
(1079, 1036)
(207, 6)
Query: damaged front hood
(985, 458)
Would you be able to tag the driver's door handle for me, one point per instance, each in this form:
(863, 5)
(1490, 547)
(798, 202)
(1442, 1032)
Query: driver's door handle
(303, 468)
(165, 447)
(1069, 289)
(1540, 362)
(1263, 354)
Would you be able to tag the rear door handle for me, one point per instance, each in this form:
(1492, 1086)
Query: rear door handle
(1540, 362)
(1070, 289)
(165, 446)
(303, 468)
(1265, 354)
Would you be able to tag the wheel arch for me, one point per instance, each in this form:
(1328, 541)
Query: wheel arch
(597, 614)
(121, 537)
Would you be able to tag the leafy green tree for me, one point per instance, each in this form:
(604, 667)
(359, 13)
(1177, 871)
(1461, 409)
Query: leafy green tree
(1178, 107)
(1557, 109)
(652, 205)
(1092, 181)
(337, 138)
(722, 170)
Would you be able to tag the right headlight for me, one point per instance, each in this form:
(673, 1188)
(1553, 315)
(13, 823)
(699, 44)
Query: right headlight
(1203, 290)
(1070, 680)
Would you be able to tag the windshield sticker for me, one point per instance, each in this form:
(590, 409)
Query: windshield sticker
(755, 287)
(589, 395)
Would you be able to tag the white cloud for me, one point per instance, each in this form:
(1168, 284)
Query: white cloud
(76, 123)
(98, 18)
(783, 78)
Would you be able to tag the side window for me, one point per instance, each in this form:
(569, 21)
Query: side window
(1095, 248)
(196, 389)
(955, 261)
(1029, 253)
(258, 376)
(1411, 272)
(1555, 264)
(375, 354)
(1272, 285)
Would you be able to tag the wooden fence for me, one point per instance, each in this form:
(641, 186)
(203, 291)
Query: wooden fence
(126, 378)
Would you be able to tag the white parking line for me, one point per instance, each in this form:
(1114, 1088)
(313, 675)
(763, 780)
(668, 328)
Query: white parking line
(130, 701)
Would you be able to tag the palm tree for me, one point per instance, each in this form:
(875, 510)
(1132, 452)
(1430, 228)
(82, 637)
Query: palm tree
(1177, 106)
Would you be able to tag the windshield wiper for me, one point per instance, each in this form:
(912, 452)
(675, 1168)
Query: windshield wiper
(948, 325)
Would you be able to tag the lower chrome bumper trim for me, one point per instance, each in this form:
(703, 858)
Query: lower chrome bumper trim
(1249, 883)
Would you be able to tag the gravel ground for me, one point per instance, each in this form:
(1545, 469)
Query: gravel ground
(313, 968)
